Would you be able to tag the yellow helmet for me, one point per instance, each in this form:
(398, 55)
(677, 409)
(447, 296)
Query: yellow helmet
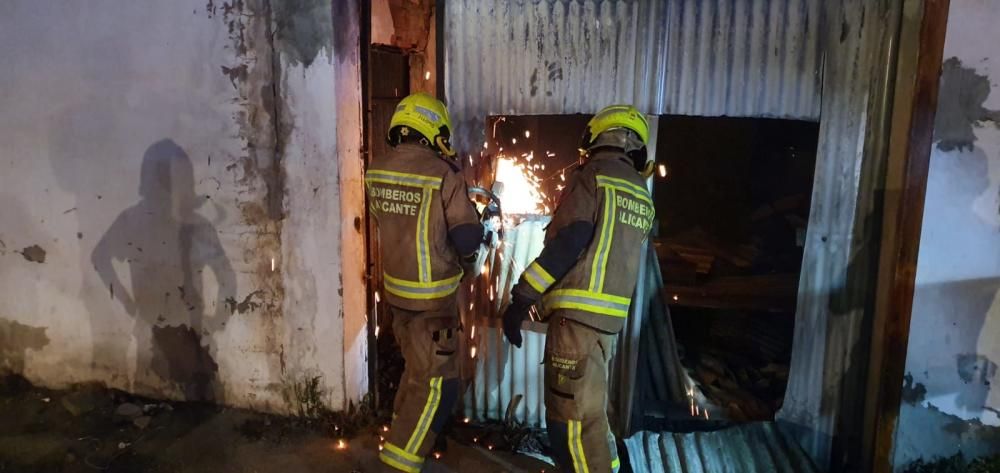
(620, 117)
(617, 117)
(425, 115)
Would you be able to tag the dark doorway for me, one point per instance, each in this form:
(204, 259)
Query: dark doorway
(732, 199)
(388, 84)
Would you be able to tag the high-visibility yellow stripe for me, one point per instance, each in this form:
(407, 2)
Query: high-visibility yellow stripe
(424, 423)
(625, 186)
(534, 283)
(591, 295)
(422, 238)
(397, 458)
(603, 242)
(538, 278)
(423, 285)
(420, 295)
(615, 461)
(421, 290)
(610, 243)
(588, 308)
(403, 453)
(402, 178)
(603, 304)
(575, 433)
(389, 460)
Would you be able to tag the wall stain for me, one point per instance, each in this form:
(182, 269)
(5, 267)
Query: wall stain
(976, 368)
(247, 304)
(15, 340)
(303, 29)
(34, 254)
(913, 393)
(960, 106)
(264, 123)
(235, 74)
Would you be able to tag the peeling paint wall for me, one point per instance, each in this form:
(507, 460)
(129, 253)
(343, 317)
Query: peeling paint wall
(952, 388)
(173, 183)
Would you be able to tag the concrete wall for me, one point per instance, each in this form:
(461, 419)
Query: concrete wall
(179, 192)
(952, 390)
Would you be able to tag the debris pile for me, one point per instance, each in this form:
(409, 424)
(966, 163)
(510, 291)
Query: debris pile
(740, 361)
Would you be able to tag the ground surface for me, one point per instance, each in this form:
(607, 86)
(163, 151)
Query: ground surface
(89, 429)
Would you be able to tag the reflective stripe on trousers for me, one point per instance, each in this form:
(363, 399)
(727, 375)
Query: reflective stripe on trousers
(576, 384)
(428, 388)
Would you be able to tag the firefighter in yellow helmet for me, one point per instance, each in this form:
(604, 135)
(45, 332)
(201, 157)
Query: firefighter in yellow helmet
(584, 278)
(428, 231)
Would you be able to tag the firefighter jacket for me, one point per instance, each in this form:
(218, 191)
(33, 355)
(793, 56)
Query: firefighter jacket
(594, 286)
(421, 203)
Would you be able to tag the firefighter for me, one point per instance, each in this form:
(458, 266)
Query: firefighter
(584, 278)
(429, 233)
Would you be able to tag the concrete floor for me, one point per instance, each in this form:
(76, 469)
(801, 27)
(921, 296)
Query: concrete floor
(87, 429)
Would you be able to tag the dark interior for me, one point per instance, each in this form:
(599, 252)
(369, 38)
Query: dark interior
(733, 210)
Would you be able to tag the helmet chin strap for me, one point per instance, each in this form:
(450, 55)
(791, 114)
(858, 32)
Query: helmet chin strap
(647, 169)
(444, 146)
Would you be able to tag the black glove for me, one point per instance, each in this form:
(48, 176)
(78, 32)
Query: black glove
(468, 264)
(516, 312)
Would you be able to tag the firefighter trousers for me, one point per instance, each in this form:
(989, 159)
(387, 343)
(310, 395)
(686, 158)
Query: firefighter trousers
(428, 388)
(576, 396)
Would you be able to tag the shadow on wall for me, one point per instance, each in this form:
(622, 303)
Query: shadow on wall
(957, 317)
(166, 246)
(949, 396)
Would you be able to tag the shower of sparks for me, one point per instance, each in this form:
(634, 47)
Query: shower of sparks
(522, 189)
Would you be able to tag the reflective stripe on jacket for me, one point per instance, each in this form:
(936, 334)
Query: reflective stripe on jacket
(597, 291)
(416, 198)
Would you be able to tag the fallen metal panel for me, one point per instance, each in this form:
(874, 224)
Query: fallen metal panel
(748, 448)
(759, 58)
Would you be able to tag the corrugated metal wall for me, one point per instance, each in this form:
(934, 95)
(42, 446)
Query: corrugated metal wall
(749, 448)
(500, 370)
(760, 58)
(823, 400)
(691, 57)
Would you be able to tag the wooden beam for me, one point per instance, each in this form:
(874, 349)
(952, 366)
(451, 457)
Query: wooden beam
(915, 104)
